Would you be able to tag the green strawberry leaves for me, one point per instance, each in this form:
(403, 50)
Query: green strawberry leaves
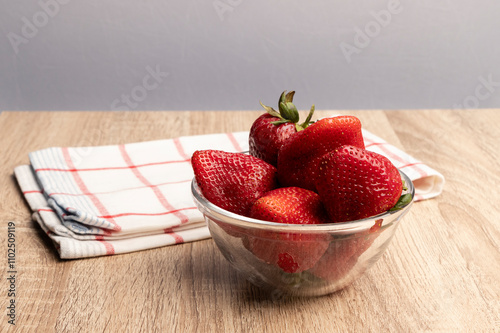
(271, 111)
(286, 97)
(404, 200)
(308, 121)
(288, 112)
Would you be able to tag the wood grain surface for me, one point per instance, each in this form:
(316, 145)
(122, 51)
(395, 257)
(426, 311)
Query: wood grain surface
(441, 272)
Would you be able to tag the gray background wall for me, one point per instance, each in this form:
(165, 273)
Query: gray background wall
(229, 54)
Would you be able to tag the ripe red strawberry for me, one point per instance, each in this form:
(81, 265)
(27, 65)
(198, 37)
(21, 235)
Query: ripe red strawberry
(354, 183)
(342, 255)
(272, 129)
(292, 252)
(299, 156)
(232, 181)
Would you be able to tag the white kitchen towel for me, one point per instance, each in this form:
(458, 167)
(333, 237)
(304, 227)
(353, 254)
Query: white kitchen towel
(105, 200)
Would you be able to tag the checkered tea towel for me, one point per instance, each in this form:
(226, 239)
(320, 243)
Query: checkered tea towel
(105, 200)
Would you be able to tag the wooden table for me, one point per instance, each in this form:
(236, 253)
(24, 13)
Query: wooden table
(440, 273)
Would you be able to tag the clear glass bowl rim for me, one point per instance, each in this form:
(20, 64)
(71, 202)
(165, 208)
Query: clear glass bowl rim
(220, 214)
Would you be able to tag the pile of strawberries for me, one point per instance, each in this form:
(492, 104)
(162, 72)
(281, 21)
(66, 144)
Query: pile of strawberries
(308, 173)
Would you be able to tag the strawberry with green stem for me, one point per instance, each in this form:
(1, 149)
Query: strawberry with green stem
(272, 129)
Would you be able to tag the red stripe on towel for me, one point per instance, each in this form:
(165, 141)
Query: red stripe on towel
(180, 149)
(110, 250)
(163, 200)
(389, 153)
(119, 190)
(235, 143)
(73, 169)
(80, 183)
(148, 214)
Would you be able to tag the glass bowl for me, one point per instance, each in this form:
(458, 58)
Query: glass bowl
(331, 255)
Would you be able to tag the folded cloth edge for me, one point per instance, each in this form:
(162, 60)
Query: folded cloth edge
(70, 247)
